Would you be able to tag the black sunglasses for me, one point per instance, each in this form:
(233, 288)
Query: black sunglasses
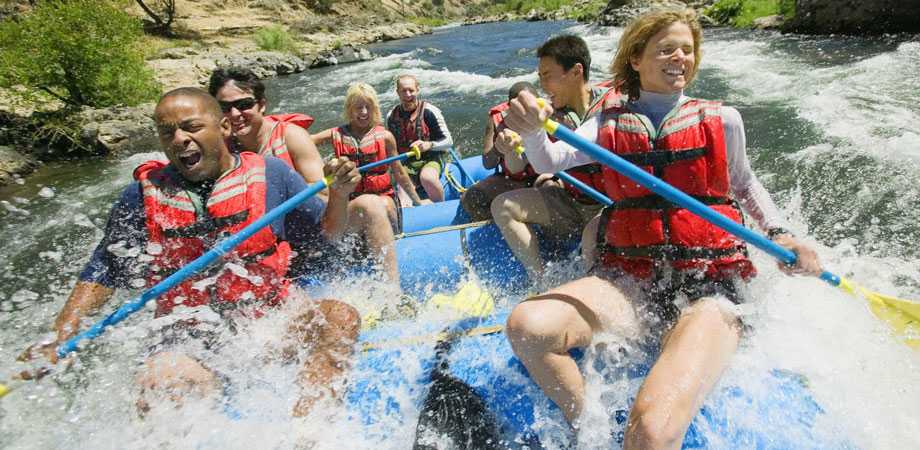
(243, 104)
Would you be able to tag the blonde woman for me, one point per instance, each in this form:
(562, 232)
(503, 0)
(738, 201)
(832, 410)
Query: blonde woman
(372, 208)
(659, 268)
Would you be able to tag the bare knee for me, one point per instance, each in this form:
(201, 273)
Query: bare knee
(369, 207)
(530, 329)
(342, 321)
(502, 207)
(653, 427)
(177, 376)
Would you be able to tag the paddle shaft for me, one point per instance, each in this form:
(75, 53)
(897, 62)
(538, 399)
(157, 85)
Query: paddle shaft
(675, 196)
(221, 249)
(588, 190)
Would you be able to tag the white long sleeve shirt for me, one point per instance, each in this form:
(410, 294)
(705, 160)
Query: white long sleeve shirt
(551, 157)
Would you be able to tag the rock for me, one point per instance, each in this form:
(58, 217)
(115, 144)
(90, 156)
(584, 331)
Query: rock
(342, 55)
(13, 164)
(262, 63)
(119, 130)
(621, 12)
(535, 15)
(855, 16)
(768, 22)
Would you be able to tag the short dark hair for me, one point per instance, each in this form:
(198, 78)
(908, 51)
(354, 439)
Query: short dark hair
(516, 89)
(209, 102)
(567, 50)
(244, 78)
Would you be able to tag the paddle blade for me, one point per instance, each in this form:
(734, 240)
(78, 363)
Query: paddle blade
(470, 300)
(903, 316)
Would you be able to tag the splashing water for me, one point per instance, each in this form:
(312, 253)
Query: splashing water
(832, 132)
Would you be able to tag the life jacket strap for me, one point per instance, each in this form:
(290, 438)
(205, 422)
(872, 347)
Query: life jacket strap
(206, 226)
(658, 202)
(662, 158)
(671, 252)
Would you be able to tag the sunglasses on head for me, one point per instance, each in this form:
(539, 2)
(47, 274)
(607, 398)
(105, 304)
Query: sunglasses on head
(243, 104)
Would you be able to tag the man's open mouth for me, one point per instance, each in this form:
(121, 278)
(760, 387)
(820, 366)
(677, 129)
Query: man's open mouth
(190, 159)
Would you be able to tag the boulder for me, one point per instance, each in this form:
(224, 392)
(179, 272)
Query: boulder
(119, 130)
(769, 22)
(342, 55)
(13, 164)
(621, 12)
(855, 16)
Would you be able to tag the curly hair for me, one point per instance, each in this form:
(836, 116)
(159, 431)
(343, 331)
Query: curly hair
(635, 38)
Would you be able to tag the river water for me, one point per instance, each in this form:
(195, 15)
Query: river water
(833, 127)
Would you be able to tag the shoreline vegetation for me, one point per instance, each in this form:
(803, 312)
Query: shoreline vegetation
(65, 93)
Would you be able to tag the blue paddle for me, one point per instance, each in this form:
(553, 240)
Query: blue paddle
(590, 191)
(210, 256)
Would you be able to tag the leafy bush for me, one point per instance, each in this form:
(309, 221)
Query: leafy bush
(725, 11)
(82, 52)
(274, 38)
(741, 13)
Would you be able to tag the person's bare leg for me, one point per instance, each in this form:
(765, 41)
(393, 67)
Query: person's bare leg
(477, 200)
(177, 375)
(544, 328)
(589, 242)
(330, 330)
(430, 178)
(513, 212)
(368, 216)
(693, 356)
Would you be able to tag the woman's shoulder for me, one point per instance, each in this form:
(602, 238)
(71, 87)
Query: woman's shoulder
(731, 118)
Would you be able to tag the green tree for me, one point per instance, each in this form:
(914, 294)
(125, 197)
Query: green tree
(82, 52)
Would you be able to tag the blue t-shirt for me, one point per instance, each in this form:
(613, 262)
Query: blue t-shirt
(116, 261)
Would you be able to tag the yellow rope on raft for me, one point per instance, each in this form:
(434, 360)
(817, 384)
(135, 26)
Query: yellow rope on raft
(444, 229)
(430, 338)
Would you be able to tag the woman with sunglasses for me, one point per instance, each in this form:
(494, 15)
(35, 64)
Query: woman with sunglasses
(372, 209)
(242, 99)
(662, 273)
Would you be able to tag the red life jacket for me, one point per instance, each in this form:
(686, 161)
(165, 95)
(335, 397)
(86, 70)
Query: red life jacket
(373, 147)
(276, 145)
(642, 229)
(498, 119)
(176, 236)
(589, 174)
(405, 130)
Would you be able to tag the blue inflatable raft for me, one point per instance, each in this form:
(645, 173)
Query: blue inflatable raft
(403, 366)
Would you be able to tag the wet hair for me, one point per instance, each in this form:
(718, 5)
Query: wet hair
(244, 78)
(516, 89)
(567, 50)
(635, 38)
(358, 91)
(405, 76)
(212, 107)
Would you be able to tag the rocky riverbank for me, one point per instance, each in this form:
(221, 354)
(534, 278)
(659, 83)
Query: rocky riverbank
(121, 130)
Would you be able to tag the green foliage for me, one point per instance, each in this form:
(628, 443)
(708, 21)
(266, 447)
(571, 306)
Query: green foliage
(588, 11)
(82, 52)
(741, 13)
(724, 11)
(275, 38)
(787, 8)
